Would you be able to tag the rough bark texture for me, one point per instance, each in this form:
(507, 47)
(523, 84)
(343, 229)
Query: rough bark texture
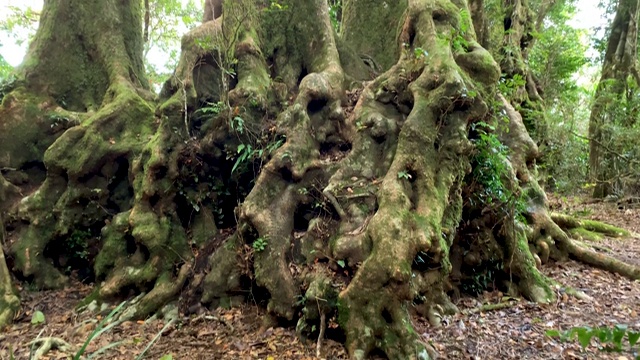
(619, 69)
(520, 25)
(336, 198)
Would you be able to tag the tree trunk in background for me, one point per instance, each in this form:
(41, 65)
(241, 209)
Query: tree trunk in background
(373, 34)
(620, 67)
(356, 201)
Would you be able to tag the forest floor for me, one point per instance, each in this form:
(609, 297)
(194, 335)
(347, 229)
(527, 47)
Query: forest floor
(513, 332)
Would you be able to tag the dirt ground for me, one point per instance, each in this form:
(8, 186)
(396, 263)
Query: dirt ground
(516, 331)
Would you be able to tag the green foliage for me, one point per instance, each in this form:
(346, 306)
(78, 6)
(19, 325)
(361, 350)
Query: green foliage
(19, 23)
(197, 190)
(509, 85)
(491, 173)
(458, 41)
(5, 72)
(7, 84)
(491, 168)
(404, 175)
(246, 154)
(335, 11)
(211, 109)
(77, 244)
(420, 53)
(483, 279)
(611, 339)
(168, 21)
(276, 5)
(260, 244)
(558, 54)
(37, 318)
(555, 60)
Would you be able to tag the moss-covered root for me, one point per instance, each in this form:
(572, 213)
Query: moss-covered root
(376, 317)
(224, 278)
(166, 288)
(419, 197)
(589, 256)
(567, 222)
(270, 206)
(520, 262)
(28, 250)
(9, 301)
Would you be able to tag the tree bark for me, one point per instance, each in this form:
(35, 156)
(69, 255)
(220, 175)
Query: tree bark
(619, 67)
(348, 200)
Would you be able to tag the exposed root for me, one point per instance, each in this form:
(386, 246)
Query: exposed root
(586, 255)
(49, 343)
(491, 307)
(9, 301)
(164, 290)
(570, 223)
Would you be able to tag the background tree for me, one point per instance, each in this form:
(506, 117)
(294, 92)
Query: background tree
(350, 190)
(556, 57)
(615, 105)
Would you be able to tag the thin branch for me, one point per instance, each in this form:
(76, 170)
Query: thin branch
(606, 148)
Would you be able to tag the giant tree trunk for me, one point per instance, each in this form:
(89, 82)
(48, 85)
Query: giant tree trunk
(619, 71)
(353, 203)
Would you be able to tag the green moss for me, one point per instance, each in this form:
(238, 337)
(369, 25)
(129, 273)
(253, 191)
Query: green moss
(343, 313)
(114, 244)
(584, 234)
(602, 228)
(405, 268)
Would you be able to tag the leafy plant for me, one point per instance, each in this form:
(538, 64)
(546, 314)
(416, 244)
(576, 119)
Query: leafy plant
(612, 339)
(335, 11)
(211, 108)
(246, 153)
(260, 244)
(77, 244)
(484, 277)
(7, 83)
(37, 318)
(459, 43)
(492, 171)
(420, 53)
(404, 175)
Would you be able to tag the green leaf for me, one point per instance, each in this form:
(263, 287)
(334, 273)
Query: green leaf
(605, 335)
(341, 263)
(167, 357)
(618, 335)
(552, 333)
(584, 336)
(37, 318)
(633, 338)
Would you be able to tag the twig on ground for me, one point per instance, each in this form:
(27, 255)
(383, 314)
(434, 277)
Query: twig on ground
(49, 343)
